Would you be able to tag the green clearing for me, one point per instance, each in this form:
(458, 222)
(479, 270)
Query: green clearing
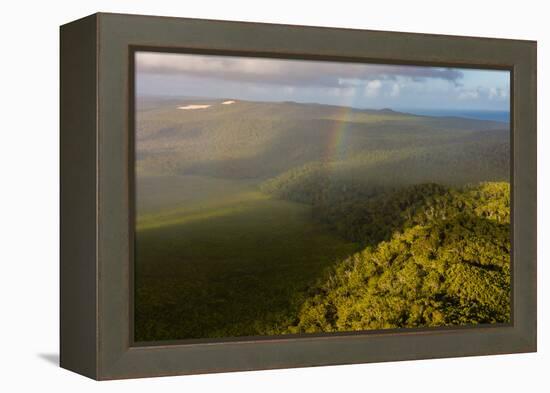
(225, 264)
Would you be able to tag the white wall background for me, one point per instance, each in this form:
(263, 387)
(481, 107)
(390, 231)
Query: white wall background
(29, 194)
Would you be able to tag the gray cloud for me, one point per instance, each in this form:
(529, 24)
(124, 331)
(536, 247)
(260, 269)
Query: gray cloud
(284, 72)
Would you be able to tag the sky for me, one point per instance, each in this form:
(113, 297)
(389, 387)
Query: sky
(357, 85)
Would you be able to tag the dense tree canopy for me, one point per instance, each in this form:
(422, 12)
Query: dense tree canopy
(447, 262)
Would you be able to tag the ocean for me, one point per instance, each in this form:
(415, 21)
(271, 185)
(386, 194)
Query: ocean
(503, 116)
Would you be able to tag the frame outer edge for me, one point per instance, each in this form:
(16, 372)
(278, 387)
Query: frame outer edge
(118, 359)
(530, 331)
(78, 197)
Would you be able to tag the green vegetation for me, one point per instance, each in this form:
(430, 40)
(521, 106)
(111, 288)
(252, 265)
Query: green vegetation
(253, 140)
(447, 262)
(275, 218)
(227, 265)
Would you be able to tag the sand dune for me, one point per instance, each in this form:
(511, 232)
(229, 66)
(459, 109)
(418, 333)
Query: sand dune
(194, 106)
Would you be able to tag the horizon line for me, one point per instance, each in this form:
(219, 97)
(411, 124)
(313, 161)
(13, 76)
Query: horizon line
(396, 108)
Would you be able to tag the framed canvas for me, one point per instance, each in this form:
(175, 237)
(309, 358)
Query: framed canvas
(242, 196)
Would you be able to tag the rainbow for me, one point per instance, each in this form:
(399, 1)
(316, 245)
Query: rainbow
(335, 143)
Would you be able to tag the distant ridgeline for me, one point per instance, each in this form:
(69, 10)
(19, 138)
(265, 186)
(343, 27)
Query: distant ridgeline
(428, 198)
(255, 140)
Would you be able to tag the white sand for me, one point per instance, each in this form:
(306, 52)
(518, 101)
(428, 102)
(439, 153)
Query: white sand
(194, 106)
(228, 102)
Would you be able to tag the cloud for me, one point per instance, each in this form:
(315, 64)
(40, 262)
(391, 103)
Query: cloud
(395, 90)
(497, 93)
(468, 95)
(484, 93)
(285, 72)
(372, 88)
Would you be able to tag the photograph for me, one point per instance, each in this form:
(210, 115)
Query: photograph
(284, 197)
(295, 196)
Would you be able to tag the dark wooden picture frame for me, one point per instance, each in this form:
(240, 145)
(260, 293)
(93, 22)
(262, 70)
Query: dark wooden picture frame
(97, 195)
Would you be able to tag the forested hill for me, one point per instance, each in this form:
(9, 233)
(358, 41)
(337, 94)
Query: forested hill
(445, 261)
(262, 140)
